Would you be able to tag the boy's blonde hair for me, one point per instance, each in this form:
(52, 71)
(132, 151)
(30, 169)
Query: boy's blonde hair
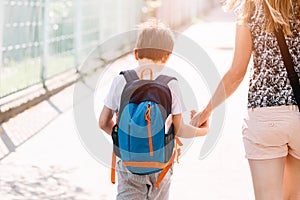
(155, 41)
(277, 12)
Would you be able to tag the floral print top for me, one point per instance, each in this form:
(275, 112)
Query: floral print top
(269, 85)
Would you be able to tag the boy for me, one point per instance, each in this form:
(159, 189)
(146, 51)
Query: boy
(153, 48)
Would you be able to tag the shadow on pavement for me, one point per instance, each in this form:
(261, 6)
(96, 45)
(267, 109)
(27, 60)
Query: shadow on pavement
(37, 183)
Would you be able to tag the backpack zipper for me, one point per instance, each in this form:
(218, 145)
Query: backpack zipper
(129, 124)
(148, 119)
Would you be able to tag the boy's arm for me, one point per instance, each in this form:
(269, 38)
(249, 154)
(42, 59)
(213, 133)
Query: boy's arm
(105, 120)
(187, 131)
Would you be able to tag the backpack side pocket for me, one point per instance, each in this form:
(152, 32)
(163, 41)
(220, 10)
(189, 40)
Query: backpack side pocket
(169, 143)
(115, 139)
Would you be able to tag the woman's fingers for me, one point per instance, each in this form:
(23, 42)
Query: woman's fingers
(205, 124)
(196, 120)
(192, 113)
(199, 120)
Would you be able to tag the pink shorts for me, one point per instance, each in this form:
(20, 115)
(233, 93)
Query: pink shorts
(272, 132)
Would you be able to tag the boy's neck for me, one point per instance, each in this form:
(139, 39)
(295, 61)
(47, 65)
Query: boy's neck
(147, 63)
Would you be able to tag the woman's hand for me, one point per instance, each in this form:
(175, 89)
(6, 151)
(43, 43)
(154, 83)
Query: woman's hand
(199, 119)
(192, 113)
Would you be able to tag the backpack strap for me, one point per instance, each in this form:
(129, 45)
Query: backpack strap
(164, 79)
(173, 158)
(130, 75)
(113, 168)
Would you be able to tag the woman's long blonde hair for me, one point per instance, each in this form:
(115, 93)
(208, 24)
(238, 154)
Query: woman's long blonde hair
(277, 12)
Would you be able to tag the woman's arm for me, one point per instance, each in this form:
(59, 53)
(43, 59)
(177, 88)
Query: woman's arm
(233, 77)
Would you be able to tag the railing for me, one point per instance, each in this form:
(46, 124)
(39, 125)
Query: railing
(43, 38)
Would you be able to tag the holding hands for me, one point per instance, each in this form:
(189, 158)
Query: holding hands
(200, 119)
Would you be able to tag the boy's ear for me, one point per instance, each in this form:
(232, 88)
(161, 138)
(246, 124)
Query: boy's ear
(136, 54)
(165, 58)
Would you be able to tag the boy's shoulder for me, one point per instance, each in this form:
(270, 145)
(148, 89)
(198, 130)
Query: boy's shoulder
(156, 73)
(120, 79)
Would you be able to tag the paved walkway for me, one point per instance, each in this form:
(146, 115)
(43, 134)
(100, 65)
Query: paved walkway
(53, 164)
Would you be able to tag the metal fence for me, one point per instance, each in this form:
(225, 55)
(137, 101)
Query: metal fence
(42, 38)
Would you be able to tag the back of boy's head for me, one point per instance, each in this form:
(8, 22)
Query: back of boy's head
(155, 41)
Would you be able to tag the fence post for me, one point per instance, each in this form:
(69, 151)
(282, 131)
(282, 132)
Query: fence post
(1, 29)
(120, 20)
(45, 43)
(194, 9)
(78, 33)
(101, 22)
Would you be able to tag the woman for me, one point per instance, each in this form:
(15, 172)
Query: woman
(272, 129)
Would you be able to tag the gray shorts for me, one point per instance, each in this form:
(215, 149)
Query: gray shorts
(141, 187)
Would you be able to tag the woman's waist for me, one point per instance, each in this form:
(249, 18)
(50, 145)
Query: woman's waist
(291, 107)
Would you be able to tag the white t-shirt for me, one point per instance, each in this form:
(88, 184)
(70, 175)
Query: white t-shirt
(113, 98)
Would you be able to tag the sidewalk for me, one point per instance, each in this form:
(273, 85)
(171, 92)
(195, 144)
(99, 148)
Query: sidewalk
(53, 164)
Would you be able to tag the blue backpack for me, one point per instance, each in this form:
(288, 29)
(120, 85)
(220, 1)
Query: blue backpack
(139, 136)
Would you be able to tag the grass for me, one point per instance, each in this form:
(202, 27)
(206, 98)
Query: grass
(16, 76)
